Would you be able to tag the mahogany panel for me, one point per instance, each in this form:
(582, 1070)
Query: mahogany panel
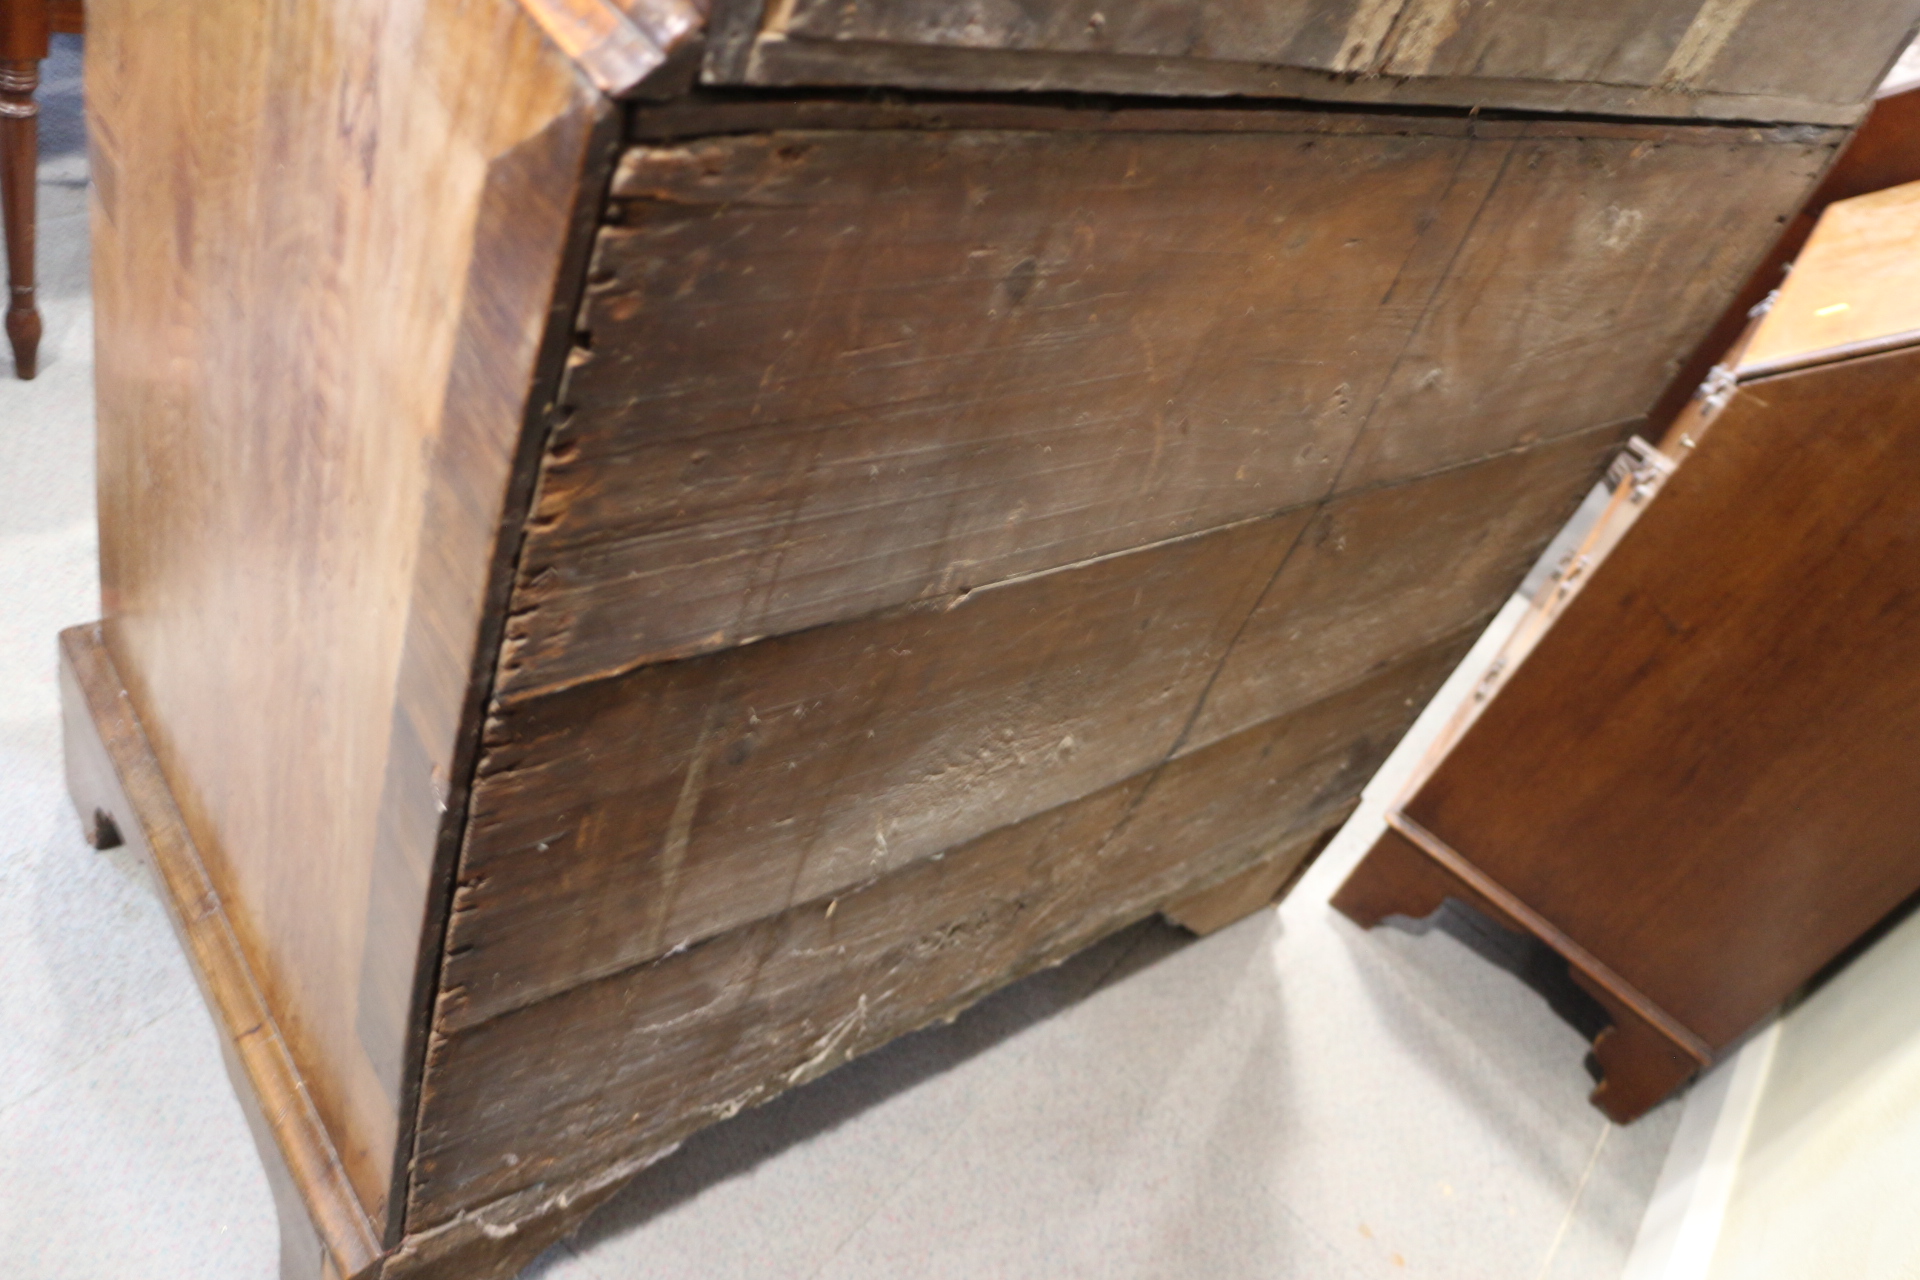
(1746, 654)
(286, 211)
(1854, 288)
(780, 1000)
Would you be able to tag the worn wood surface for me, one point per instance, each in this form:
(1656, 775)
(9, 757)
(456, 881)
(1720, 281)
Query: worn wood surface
(1706, 772)
(1228, 901)
(1382, 571)
(769, 1005)
(1742, 59)
(289, 204)
(1854, 288)
(117, 786)
(826, 372)
(928, 562)
(539, 195)
(729, 786)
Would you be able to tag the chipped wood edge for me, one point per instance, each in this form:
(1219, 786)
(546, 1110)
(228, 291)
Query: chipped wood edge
(122, 797)
(619, 45)
(776, 60)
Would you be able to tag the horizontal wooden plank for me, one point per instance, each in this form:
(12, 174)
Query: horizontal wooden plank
(615, 821)
(1579, 293)
(656, 1051)
(1384, 571)
(833, 372)
(722, 789)
(1741, 59)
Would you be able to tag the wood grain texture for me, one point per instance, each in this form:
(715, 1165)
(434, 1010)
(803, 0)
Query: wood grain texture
(833, 373)
(1742, 59)
(772, 1004)
(729, 786)
(1383, 571)
(823, 370)
(1736, 688)
(542, 193)
(1855, 287)
(1592, 269)
(1230, 900)
(287, 207)
(122, 797)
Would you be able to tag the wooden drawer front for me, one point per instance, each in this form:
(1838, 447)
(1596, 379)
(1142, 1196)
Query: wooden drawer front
(837, 371)
(1743, 59)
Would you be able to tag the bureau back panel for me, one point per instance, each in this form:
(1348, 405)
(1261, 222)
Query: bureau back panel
(828, 371)
(959, 540)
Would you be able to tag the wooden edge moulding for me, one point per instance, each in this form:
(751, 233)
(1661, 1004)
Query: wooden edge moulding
(649, 548)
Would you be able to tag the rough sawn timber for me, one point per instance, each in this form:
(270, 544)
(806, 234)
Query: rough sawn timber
(833, 370)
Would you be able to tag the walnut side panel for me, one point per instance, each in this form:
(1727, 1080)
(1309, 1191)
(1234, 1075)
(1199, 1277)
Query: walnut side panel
(121, 796)
(781, 1000)
(835, 371)
(287, 209)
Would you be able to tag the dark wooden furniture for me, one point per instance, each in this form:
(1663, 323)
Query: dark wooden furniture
(1703, 783)
(632, 574)
(25, 26)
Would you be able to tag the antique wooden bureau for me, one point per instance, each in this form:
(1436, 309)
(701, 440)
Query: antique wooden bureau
(1701, 786)
(646, 552)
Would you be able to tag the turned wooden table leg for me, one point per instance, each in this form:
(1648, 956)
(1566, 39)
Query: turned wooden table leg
(19, 158)
(23, 44)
